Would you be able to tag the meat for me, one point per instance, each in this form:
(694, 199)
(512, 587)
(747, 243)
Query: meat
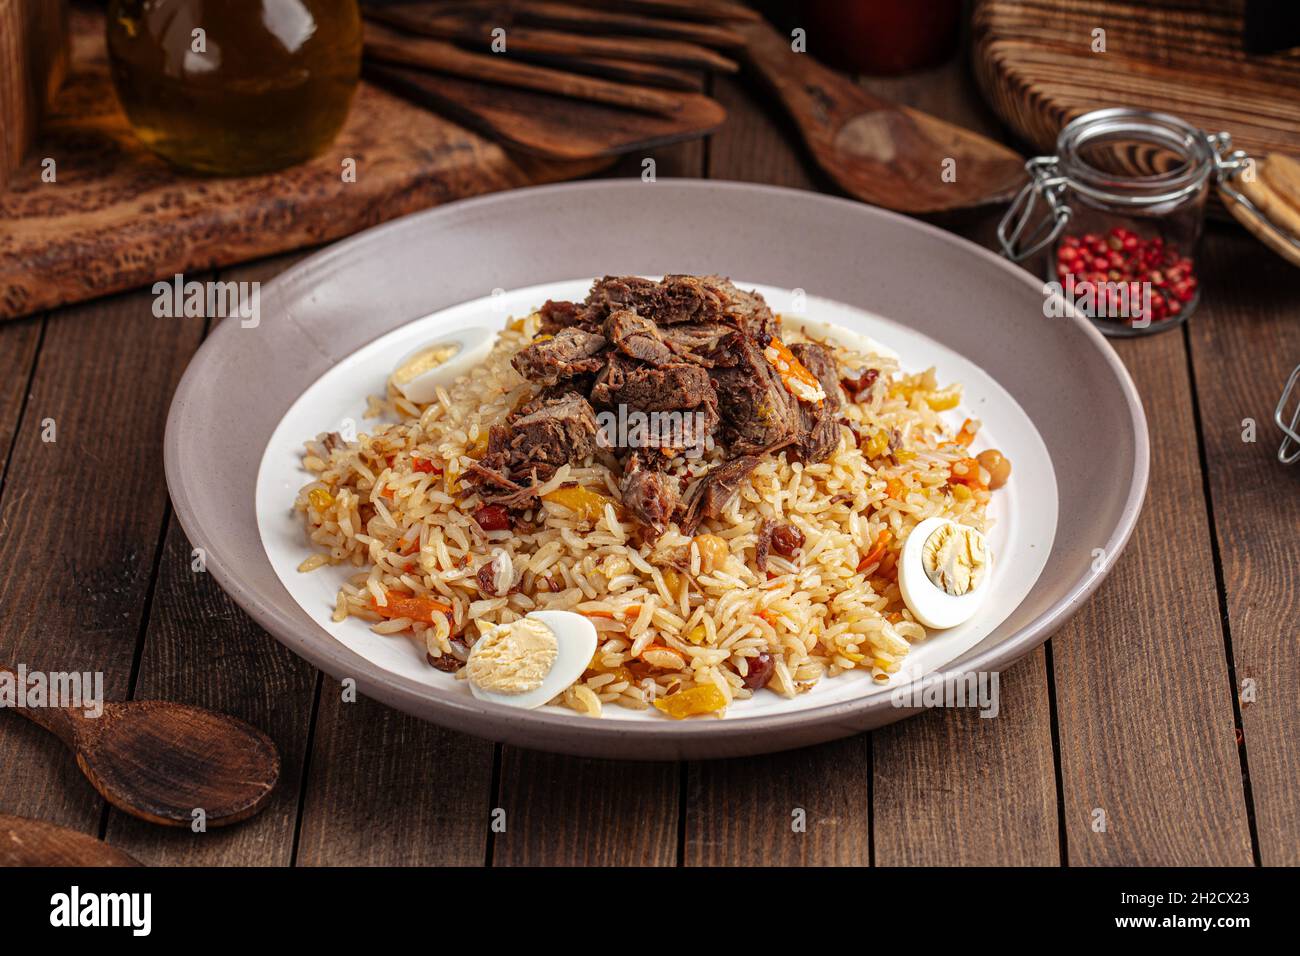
(650, 495)
(680, 299)
(638, 338)
(561, 315)
(533, 443)
(819, 432)
(687, 353)
(569, 353)
(758, 413)
(677, 386)
(709, 497)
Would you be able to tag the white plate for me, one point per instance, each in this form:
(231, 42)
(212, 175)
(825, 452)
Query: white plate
(1024, 513)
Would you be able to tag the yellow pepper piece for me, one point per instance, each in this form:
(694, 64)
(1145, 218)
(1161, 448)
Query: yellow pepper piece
(877, 444)
(704, 699)
(587, 504)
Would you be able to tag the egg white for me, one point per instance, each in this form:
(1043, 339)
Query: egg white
(576, 640)
(930, 604)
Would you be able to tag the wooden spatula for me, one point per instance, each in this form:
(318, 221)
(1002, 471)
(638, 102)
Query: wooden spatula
(476, 31)
(161, 761)
(882, 153)
(25, 842)
(549, 126)
(389, 46)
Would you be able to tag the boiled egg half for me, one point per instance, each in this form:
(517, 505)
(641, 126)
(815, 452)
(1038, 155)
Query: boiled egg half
(421, 372)
(944, 572)
(529, 661)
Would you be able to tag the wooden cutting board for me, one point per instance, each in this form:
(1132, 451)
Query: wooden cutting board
(116, 216)
(1035, 62)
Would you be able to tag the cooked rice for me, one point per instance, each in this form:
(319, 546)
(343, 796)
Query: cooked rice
(409, 532)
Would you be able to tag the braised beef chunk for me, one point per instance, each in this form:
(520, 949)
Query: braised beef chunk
(709, 496)
(758, 413)
(571, 351)
(638, 338)
(650, 495)
(533, 443)
(685, 344)
(820, 430)
(675, 387)
(561, 315)
(685, 299)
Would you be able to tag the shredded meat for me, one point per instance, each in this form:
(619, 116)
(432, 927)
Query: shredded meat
(532, 444)
(819, 424)
(709, 497)
(650, 495)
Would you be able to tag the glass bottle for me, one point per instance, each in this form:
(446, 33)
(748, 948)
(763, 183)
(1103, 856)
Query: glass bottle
(235, 87)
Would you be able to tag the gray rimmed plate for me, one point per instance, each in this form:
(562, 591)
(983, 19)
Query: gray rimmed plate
(1052, 387)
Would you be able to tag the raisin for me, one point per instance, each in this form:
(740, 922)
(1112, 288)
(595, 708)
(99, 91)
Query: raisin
(786, 540)
(447, 663)
(760, 671)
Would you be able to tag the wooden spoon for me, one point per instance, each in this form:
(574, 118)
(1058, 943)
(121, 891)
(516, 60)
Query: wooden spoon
(160, 761)
(880, 152)
(25, 842)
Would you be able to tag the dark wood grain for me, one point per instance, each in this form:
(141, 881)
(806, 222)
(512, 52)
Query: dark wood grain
(952, 788)
(385, 789)
(18, 344)
(569, 811)
(809, 807)
(201, 648)
(1245, 342)
(118, 216)
(80, 522)
(1142, 690)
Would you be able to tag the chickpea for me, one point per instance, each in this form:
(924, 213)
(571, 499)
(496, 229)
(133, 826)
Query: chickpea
(998, 467)
(713, 552)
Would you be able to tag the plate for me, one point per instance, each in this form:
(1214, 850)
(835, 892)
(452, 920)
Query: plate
(1024, 515)
(1051, 392)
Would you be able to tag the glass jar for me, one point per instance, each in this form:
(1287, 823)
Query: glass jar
(235, 86)
(1125, 202)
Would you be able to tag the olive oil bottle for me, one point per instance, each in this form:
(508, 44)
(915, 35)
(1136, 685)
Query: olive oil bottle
(235, 86)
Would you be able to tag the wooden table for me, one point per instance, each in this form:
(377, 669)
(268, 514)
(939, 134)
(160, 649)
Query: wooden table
(1132, 715)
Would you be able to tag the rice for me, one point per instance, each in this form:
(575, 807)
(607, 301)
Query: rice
(391, 504)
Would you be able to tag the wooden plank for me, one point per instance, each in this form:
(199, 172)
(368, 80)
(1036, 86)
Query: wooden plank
(808, 807)
(553, 823)
(1245, 342)
(200, 648)
(957, 789)
(19, 342)
(1142, 689)
(385, 789)
(569, 811)
(80, 523)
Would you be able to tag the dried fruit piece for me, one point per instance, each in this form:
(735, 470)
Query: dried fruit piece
(704, 699)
